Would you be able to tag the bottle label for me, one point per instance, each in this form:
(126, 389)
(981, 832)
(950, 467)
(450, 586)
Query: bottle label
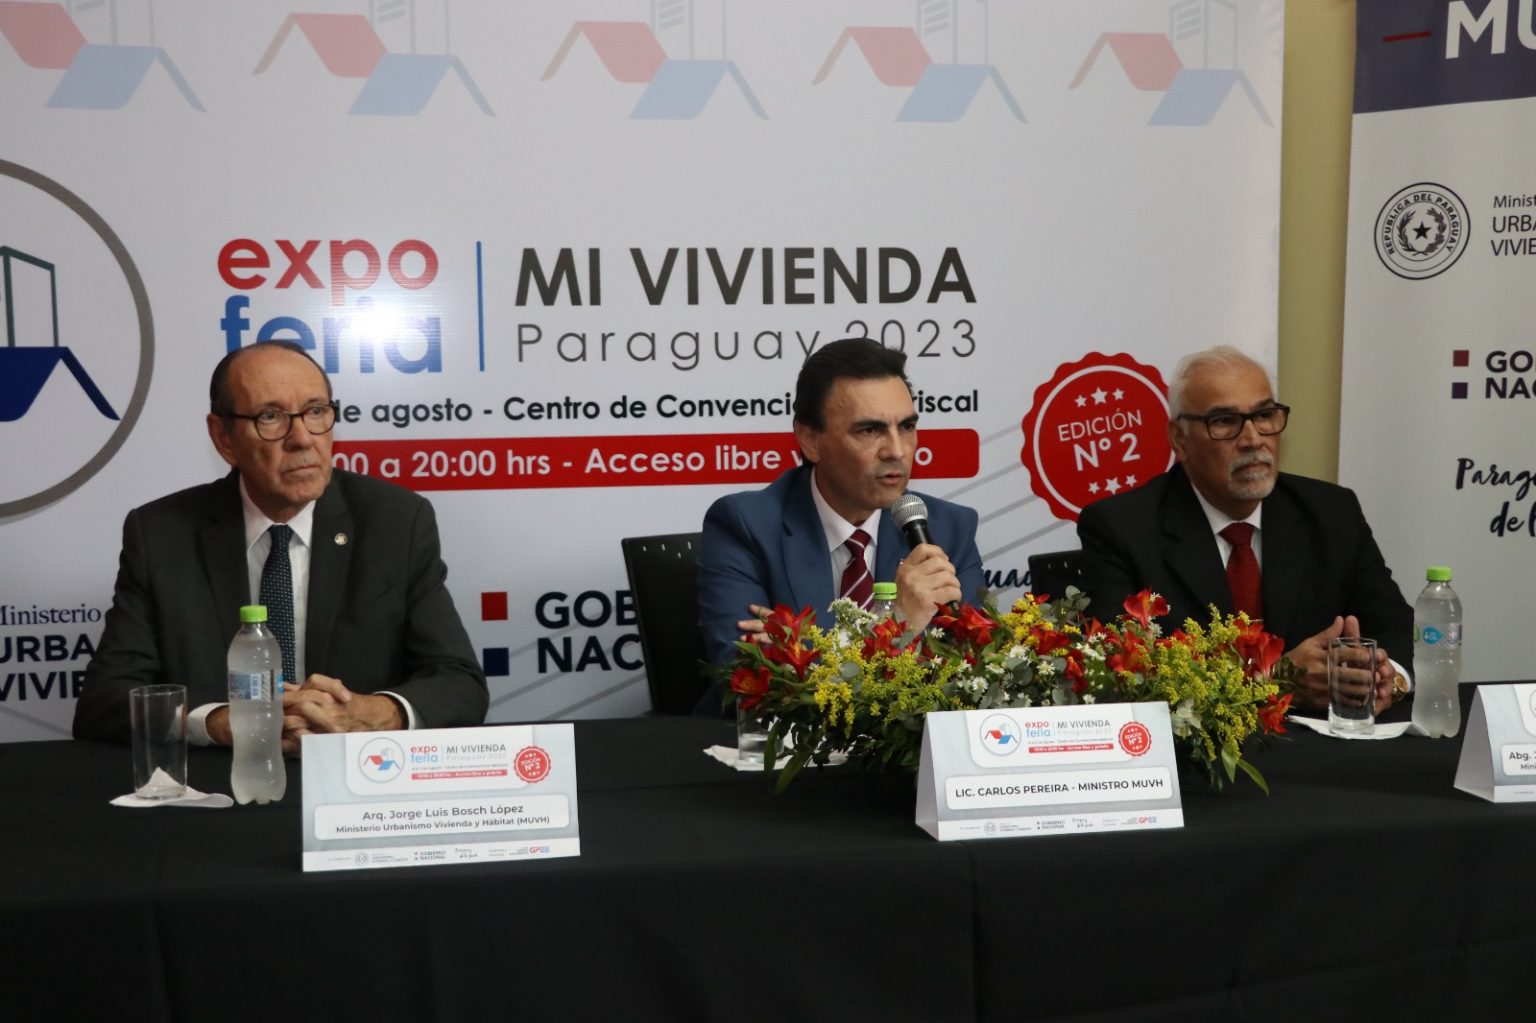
(255, 685)
(1431, 636)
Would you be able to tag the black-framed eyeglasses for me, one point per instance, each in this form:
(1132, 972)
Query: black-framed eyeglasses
(1269, 420)
(277, 424)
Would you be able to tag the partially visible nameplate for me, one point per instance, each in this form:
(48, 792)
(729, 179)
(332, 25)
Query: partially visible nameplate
(441, 795)
(1498, 753)
(1048, 770)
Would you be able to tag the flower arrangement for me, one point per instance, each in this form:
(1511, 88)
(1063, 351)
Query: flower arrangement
(864, 686)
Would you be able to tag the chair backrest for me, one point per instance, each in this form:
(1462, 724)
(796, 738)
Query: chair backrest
(663, 576)
(1051, 573)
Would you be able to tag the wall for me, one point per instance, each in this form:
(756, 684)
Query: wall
(1314, 200)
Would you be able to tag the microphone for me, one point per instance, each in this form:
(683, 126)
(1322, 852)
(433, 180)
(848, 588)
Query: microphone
(911, 517)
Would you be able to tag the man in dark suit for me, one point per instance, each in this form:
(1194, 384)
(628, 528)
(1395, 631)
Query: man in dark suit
(788, 544)
(373, 632)
(1313, 569)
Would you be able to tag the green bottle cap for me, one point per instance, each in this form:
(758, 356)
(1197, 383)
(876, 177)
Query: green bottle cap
(1438, 573)
(251, 613)
(885, 591)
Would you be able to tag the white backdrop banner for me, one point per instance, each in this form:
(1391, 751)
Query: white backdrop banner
(563, 261)
(1439, 360)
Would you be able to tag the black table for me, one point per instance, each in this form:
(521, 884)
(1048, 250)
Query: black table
(1364, 887)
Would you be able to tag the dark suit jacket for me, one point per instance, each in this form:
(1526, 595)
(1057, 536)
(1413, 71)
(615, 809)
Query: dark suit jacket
(379, 616)
(1320, 560)
(767, 547)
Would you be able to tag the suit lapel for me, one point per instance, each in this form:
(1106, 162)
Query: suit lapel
(890, 548)
(222, 544)
(1192, 554)
(1282, 577)
(329, 559)
(807, 564)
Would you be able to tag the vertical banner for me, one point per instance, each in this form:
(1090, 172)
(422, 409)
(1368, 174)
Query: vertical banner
(563, 261)
(1439, 357)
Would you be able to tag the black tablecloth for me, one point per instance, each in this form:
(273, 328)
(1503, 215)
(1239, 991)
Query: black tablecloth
(1365, 886)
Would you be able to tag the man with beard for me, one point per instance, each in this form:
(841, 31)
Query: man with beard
(821, 530)
(1225, 527)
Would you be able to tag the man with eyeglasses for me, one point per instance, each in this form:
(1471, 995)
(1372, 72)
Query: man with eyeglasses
(1224, 526)
(349, 567)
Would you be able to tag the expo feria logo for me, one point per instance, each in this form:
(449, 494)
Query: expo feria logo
(78, 341)
(1422, 231)
(361, 305)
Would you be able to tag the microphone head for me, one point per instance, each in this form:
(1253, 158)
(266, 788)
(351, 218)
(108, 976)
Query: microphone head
(908, 508)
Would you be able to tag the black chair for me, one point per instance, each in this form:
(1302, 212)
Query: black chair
(1051, 573)
(663, 576)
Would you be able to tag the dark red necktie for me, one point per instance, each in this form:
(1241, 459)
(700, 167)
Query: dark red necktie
(1243, 570)
(857, 585)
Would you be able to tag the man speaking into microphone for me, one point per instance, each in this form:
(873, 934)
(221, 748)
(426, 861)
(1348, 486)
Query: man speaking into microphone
(823, 529)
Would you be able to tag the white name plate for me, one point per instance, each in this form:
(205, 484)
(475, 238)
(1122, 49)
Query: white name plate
(1498, 753)
(1048, 770)
(440, 795)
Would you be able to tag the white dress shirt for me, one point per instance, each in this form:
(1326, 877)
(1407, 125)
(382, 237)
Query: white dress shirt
(258, 543)
(838, 530)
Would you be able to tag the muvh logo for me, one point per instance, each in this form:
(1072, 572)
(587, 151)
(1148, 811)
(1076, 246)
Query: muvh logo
(78, 341)
(633, 52)
(394, 84)
(97, 76)
(940, 91)
(999, 735)
(1193, 64)
(381, 760)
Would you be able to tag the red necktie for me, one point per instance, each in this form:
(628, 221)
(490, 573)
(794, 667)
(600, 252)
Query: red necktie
(1243, 571)
(857, 585)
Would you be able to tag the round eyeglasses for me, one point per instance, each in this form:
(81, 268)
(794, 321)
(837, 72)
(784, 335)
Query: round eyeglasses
(277, 424)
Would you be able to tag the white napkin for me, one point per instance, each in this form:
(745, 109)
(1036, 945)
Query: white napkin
(188, 797)
(1383, 731)
(727, 756)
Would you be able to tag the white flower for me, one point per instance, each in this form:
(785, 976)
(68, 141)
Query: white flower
(1087, 697)
(1184, 718)
(1018, 651)
(1045, 669)
(995, 669)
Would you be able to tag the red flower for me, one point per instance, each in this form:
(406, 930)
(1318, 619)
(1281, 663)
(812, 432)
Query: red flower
(1145, 606)
(1272, 714)
(1132, 655)
(1075, 672)
(784, 624)
(751, 685)
(1259, 650)
(968, 626)
(1048, 641)
(797, 655)
(882, 638)
(785, 647)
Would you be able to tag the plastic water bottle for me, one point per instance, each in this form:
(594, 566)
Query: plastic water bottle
(883, 603)
(256, 710)
(1437, 656)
